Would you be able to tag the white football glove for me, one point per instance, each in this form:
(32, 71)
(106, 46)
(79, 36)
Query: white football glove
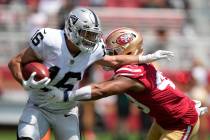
(31, 84)
(160, 54)
(201, 110)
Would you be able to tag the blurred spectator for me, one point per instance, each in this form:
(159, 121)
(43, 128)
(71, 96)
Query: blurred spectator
(124, 3)
(97, 3)
(158, 4)
(200, 78)
(123, 111)
(32, 5)
(180, 4)
(160, 42)
(36, 19)
(200, 15)
(49, 7)
(1, 82)
(67, 5)
(199, 72)
(5, 1)
(162, 38)
(12, 15)
(199, 92)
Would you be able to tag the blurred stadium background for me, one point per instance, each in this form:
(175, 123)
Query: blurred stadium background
(182, 26)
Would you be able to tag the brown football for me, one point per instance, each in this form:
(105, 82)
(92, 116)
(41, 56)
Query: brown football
(40, 69)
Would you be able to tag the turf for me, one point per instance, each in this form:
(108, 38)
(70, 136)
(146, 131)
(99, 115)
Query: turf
(11, 135)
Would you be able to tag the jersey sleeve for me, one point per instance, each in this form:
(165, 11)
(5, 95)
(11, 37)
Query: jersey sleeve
(38, 42)
(145, 74)
(132, 71)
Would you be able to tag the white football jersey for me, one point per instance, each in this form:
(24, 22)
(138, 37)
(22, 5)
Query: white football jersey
(65, 70)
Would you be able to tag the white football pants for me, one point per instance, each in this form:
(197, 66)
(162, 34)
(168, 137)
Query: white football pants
(35, 122)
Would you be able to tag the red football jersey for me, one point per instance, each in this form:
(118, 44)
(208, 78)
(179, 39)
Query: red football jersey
(161, 99)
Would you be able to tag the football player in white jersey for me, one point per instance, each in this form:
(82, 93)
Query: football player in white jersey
(66, 53)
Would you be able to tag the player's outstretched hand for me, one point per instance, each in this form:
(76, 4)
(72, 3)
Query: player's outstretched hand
(31, 84)
(200, 109)
(160, 54)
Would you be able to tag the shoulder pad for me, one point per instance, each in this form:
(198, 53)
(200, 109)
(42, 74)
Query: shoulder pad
(43, 39)
(133, 71)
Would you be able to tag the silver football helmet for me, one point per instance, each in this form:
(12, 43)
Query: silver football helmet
(83, 28)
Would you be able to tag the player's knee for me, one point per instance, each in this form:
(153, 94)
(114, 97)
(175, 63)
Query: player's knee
(24, 138)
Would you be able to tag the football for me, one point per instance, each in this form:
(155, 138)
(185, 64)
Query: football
(40, 69)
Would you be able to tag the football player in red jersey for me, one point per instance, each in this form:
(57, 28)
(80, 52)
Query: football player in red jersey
(176, 115)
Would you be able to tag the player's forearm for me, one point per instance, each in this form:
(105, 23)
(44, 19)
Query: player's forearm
(126, 59)
(133, 59)
(15, 68)
(85, 93)
(119, 60)
(137, 59)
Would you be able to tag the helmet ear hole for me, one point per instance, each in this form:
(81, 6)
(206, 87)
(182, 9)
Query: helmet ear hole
(129, 53)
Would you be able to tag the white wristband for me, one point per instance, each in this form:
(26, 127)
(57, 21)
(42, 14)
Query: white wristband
(80, 94)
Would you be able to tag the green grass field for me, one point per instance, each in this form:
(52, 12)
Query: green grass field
(11, 135)
(7, 135)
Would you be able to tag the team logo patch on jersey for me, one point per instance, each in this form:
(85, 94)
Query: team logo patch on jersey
(124, 39)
